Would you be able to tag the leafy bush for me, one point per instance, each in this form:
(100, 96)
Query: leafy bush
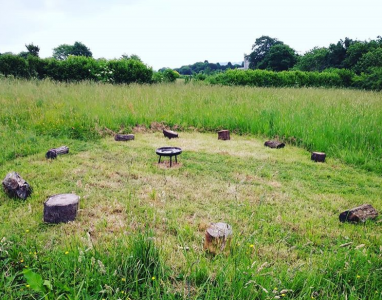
(13, 65)
(130, 71)
(371, 80)
(263, 78)
(166, 75)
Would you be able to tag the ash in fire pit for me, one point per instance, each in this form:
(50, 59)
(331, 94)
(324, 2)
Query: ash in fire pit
(168, 151)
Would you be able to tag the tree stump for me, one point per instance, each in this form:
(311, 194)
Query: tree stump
(52, 153)
(170, 134)
(61, 208)
(15, 186)
(318, 156)
(218, 238)
(274, 144)
(359, 214)
(124, 137)
(223, 135)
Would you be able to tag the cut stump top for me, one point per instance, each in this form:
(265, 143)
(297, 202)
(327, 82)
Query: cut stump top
(220, 229)
(62, 200)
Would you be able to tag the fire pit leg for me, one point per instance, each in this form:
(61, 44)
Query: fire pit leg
(170, 161)
(176, 160)
(159, 159)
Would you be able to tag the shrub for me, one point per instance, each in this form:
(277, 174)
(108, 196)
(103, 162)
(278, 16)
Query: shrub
(13, 65)
(263, 78)
(130, 71)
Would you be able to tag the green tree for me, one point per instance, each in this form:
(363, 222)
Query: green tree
(372, 59)
(260, 49)
(62, 52)
(78, 49)
(357, 50)
(313, 60)
(33, 50)
(132, 56)
(280, 57)
(337, 53)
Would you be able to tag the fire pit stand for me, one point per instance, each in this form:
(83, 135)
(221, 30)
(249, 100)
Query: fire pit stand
(168, 151)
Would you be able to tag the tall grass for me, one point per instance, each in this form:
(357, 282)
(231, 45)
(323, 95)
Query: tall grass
(346, 124)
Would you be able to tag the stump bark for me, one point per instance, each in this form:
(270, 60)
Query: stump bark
(274, 144)
(359, 214)
(124, 137)
(170, 134)
(52, 153)
(318, 156)
(218, 238)
(15, 186)
(223, 135)
(61, 208)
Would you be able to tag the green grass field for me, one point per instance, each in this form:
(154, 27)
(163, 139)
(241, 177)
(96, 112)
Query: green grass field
(346, 124)
(140, 228)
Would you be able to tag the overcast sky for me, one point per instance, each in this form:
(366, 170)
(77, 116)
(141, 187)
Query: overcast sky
(172, 33)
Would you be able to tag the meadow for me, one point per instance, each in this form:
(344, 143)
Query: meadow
(140, 228)
(346, 124)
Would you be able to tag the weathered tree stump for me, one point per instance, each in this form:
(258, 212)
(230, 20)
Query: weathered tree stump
(61, 208)
(52, 153)
(170, 134)
(218, 238)
(274, 144)
(359, 214)
(318, 156)
(15, 186)
(223, 135)
(124, 137)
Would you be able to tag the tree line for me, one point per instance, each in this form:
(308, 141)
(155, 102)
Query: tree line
(358, 56)
(75, 63)
(347, 63)
(205, 68)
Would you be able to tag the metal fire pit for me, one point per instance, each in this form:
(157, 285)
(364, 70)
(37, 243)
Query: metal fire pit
(168, 151)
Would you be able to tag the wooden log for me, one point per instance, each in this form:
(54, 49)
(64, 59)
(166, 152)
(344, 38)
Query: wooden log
(218, 238)
(223, 135)
(318, 156)
(61, 208)
(52, 153)
(124, 137)
(15, 186)
(170, 134)
(359, 214)
(274, 144)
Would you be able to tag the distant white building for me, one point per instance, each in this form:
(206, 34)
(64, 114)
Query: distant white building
(246, 64)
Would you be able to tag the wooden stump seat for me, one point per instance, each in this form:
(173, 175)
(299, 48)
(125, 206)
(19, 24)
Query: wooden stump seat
(223, 135)
(218, 238)
(61, 208)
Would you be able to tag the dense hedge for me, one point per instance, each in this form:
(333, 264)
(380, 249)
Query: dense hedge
(330, 78)
(76, 68)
